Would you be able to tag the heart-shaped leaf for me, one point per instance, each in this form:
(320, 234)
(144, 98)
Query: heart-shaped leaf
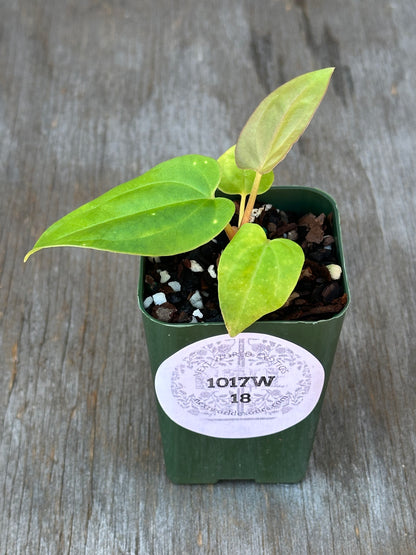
(279, 121)
(256, 276)
(235, 181)
(168, 210)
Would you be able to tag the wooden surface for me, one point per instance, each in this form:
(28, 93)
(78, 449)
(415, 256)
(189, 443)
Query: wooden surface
(94, 93)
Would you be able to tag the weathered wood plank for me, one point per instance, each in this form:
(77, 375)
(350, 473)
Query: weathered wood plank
(92, 94)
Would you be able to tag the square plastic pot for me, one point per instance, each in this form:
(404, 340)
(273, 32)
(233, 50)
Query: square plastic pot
(281, 457)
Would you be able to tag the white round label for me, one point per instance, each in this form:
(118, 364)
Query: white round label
(251, 385)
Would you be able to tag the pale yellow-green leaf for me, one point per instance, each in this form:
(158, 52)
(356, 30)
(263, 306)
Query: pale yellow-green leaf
(170, 209)
(256, 276)
(279, 121)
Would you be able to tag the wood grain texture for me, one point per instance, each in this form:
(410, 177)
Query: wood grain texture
(92, 94)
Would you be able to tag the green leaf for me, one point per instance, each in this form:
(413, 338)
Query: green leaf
(256, 276)
(279, 121)
(168, 210)
(235, 181)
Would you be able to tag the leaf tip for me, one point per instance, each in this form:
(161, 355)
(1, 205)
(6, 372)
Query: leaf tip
(32, 251)
(27, 255)
(234, 328)
(328, 71)
(232, 332)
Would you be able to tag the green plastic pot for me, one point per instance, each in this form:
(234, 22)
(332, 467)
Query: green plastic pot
(282, 457)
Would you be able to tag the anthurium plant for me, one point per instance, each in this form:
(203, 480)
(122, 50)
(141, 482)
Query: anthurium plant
(173, 208)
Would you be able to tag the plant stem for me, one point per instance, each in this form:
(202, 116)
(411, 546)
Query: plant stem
(230, 230)
(242, 208)
(252, 199)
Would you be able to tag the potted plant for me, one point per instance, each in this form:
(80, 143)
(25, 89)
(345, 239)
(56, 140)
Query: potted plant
(240, 397)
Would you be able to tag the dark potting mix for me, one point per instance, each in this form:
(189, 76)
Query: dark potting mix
(183, 288)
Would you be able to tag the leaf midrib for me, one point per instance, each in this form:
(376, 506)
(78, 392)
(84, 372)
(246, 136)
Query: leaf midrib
(283, 121)
(265, 247)
(133, 215)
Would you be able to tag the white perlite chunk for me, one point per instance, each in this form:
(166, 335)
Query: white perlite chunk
(164, 276)
(175, 286)
(197, 313)
(335, 271)
(159, 298)
(195, 266)
(255, 213)
(196, 300)
(212, 272)
(148, 302)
